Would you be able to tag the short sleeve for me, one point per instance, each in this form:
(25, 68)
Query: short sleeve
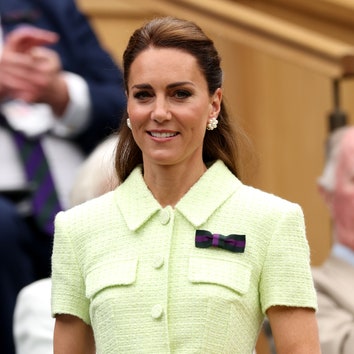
(286, 276)
(68, 287)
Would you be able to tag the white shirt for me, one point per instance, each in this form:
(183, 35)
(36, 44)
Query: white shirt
(33, 324)
(343, 252)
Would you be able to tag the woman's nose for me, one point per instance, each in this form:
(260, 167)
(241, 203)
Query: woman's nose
(160, 111)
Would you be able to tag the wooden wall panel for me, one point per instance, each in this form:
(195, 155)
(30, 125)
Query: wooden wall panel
(284, 109)
(332, 18)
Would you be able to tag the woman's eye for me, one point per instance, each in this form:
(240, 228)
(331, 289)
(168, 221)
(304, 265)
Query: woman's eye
(142, 95)
(182, 94)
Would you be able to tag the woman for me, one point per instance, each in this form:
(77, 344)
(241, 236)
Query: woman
(145, 268)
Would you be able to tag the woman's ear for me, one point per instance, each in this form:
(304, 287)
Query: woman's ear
(216, 103)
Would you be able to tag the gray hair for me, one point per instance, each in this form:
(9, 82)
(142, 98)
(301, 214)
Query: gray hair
(333, 143)
(96, 175)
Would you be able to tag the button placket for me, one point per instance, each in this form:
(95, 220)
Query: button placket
(165, 217)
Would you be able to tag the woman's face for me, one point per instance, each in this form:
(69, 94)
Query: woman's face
(169, 106)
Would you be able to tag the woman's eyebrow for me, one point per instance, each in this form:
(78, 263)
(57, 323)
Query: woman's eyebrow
(172, 85)
(142, 86)
(180, 83)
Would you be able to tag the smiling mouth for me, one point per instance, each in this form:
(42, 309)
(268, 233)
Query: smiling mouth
(162, 135)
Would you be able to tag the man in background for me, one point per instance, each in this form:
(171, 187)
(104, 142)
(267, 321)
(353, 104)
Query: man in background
(334, 280)
(60, 88)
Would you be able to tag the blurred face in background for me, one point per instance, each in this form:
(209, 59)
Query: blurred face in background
(341, 200)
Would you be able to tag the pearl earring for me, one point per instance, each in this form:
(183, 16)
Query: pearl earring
(129, 124)
(212, 124)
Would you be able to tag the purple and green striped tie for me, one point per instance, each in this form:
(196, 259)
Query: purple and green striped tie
(45, 201)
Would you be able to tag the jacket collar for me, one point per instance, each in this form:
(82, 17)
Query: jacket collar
(213, 189)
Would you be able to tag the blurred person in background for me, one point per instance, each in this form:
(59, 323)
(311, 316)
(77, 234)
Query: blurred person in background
(60, 93)
(334, 279)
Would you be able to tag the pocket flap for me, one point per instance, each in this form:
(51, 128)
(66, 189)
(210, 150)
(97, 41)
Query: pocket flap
(231, 274)
(113, 273)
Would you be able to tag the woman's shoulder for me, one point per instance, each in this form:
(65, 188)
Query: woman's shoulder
(98, 205)
(247, 196)
(259, 199)
(88, 217)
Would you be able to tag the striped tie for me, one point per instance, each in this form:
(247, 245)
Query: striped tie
(45, 202)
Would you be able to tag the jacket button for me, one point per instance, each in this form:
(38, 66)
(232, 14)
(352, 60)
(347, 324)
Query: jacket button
(158, 262)
(156, 311)
(164, 216)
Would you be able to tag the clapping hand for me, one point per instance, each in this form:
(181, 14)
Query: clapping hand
(30, 71)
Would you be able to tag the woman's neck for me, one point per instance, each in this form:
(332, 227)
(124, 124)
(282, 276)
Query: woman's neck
(169, 184)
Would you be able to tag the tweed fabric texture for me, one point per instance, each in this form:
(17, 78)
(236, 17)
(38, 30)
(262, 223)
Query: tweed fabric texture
(130, 268)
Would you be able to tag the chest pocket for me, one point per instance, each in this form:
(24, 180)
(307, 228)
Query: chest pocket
(109, 274)
(232, 274)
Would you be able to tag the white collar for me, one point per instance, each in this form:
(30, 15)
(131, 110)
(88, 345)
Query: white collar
(343, 252)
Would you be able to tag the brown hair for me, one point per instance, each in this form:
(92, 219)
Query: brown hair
(169, 32)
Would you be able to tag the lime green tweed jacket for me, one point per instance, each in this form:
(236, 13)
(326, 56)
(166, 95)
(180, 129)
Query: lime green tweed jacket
(132, 270)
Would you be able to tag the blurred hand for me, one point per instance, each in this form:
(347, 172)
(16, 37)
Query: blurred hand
(24, 38)
(31, 72)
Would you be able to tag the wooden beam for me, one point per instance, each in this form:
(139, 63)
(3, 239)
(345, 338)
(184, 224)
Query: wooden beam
(110, 8)
(265, 33)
